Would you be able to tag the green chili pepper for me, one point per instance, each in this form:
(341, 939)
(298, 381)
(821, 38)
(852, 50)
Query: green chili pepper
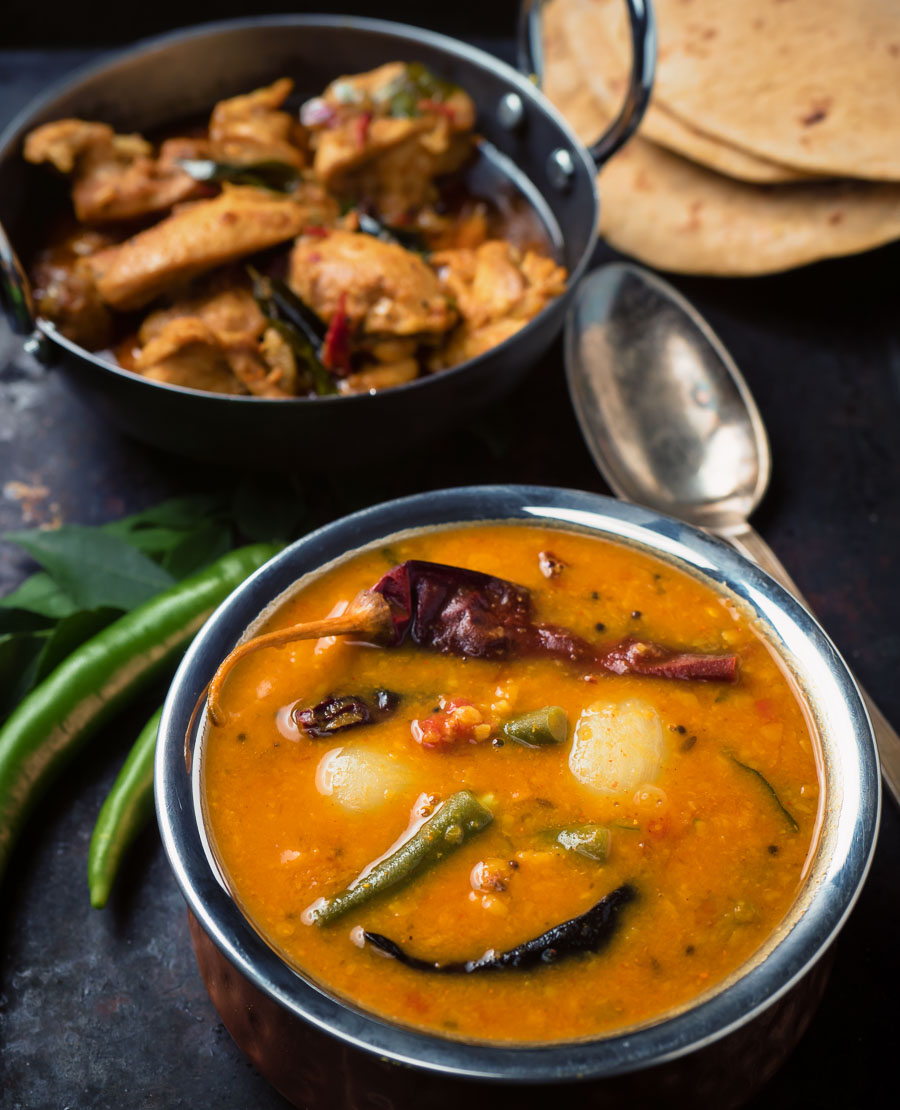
(451, 824)
(125, 812)
(542, 726)
(50, 725)
(587, 840)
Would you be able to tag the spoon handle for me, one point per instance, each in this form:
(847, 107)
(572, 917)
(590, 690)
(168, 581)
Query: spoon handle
(751, 544)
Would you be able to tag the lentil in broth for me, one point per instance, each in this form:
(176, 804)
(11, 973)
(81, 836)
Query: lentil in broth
(716, 853)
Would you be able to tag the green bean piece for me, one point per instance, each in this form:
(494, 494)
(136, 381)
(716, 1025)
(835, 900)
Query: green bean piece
(587, 840)
(126, 811)
(789, 817)
(451, 824)
(549, 725)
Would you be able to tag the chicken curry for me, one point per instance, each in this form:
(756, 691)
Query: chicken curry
(283, 254)
(566, 788)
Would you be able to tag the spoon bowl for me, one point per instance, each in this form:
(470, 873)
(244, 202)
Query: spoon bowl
(662, 407)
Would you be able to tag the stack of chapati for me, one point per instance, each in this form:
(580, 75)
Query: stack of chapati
(772, 139)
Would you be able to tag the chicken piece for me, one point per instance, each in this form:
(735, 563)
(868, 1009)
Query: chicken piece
(466, 342)
(203, 235)
(387, 364)
(279, 355)
(497, 289)
(545, 281)
(384, 290)
(496, 280)
(64, 141)
(250, 128)
(253, 372)
(397, 181)
(377, 376)
(468, 227)
(187, 353)
(65, 292)
(116, 177)
(224, 320)
(382, 137)
(225, 305)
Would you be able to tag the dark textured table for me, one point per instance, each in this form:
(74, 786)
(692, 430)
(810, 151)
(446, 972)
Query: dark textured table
(106, 1009)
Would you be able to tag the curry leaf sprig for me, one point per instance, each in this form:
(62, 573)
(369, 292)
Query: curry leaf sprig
(108, 614)
(90, 576)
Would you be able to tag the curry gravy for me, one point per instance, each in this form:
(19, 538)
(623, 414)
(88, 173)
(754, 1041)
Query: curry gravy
(711, 848)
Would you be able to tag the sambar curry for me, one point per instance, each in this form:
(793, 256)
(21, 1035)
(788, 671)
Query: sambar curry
(526, 843)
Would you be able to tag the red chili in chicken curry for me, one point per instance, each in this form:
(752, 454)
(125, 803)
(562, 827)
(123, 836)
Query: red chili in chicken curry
(369, 266)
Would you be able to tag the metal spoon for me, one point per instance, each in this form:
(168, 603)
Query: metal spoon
(672, 425)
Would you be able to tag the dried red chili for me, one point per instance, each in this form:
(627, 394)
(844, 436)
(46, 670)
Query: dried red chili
(464, 612)
(336, 348)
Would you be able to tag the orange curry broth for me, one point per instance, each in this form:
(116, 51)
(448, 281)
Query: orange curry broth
(715, 861)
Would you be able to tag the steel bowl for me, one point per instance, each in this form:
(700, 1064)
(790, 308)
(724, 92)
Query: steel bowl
(177, 76)
(322, 1052)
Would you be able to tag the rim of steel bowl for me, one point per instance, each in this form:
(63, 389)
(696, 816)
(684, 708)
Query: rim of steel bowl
(849, 815)
(15, 293)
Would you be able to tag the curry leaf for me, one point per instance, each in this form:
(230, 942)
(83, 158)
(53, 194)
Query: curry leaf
(92, 574)
(40, 597)
(40, 594)
(93, 567)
